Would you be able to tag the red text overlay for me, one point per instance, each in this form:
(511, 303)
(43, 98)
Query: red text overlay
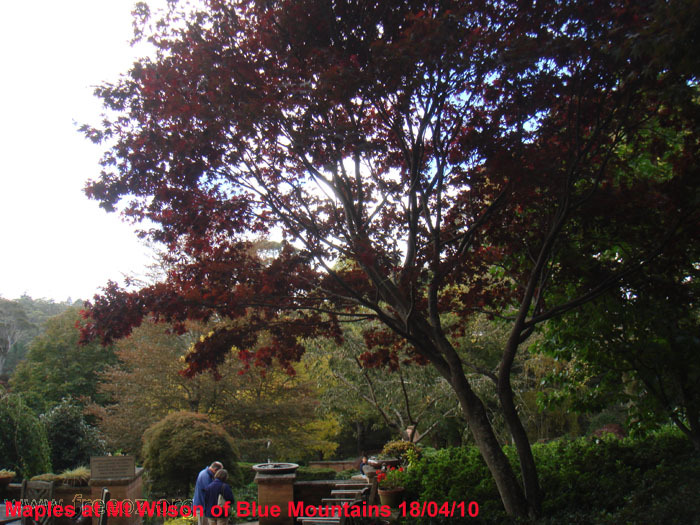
(241, 509)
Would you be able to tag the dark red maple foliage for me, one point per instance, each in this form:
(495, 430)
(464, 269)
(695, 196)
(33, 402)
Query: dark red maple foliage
(416, 158)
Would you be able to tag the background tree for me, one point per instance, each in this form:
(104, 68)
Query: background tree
(71, 439)
(14, 326)
(56, 366)
(482, 343)
(176, 448)
(360, 427)
(34, 311)
(410, 399)
(638, 348)
(425, 143)
(146, 384)
(23, 444)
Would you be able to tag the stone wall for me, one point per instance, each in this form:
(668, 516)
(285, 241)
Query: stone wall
(121, 490)
(338, 466)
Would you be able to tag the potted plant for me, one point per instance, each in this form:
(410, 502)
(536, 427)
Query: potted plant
(77, 477)
(402, 450)
(6, 476)
(391, 486)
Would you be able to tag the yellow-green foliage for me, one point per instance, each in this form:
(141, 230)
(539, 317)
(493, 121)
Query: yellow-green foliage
(77, 477)
(49, 476)
(399, 449)
(181, 521)
(178, 447)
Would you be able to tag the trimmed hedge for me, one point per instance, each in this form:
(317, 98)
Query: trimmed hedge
(347, 474)
(247, 472)
(314, 473)
(178, 447)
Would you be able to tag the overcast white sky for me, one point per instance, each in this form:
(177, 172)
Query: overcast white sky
(56, 243)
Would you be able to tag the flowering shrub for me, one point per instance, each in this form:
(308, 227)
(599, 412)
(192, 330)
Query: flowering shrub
(393, 478)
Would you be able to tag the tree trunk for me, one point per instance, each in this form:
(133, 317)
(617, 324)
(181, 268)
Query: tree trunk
(695, 437)
(449, 364)
(528, 469)
(508, 487)
(692, 429)
(360, 439)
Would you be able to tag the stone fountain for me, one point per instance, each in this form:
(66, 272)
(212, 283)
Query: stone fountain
(275, 489)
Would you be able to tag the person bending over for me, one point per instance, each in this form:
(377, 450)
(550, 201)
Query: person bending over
(218, 492)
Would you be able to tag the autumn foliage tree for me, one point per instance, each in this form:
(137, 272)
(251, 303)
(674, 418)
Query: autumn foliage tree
(145, 385)
(458, 156)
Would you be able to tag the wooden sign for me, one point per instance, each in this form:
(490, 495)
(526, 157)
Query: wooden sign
(110, 467)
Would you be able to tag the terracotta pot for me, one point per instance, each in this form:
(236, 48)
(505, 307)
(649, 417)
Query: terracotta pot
(391, 497)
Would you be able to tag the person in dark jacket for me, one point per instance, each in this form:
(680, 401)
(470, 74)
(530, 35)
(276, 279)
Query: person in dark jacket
(217, 488)
(206, 476)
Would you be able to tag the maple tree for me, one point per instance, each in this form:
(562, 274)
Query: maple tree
(455, 156)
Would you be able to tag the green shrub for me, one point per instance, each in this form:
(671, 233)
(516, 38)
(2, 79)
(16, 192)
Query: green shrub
(347, 474)
(314, 473)
(23, 444)
(247, 472)
(247, 493)
(620, 480)
(453, 474)
(178, 447)
(603, 481)
(71, 439)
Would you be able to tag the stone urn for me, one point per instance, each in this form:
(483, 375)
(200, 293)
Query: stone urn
(275, 468)
(380, 463)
